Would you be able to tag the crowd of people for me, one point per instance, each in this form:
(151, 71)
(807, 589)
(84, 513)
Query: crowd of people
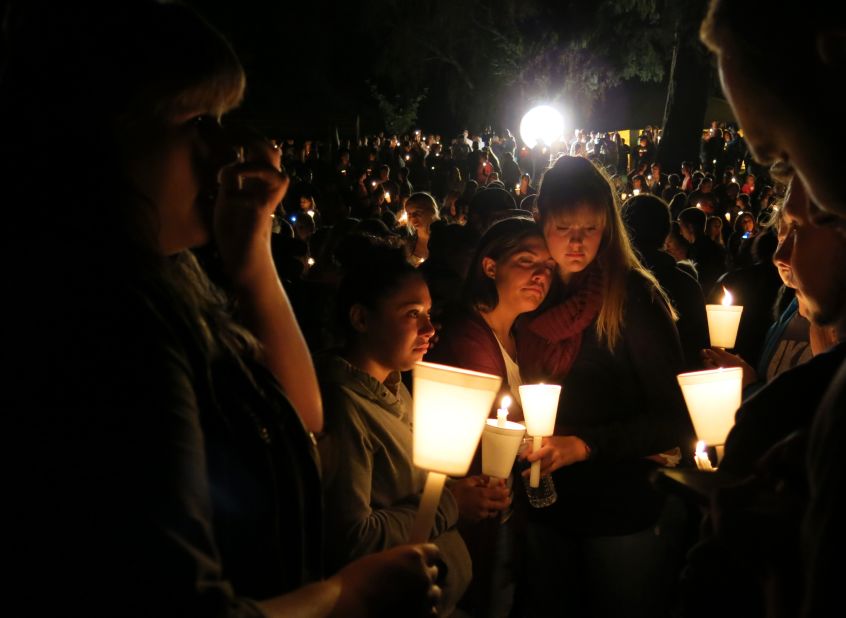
(212, 333)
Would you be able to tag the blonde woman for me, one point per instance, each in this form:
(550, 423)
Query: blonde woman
(422, 211)
(608, 336)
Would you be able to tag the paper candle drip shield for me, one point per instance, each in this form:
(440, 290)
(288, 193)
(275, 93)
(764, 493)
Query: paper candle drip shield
(712, 398)
(723, 322)
(500, 445)
(450, 408)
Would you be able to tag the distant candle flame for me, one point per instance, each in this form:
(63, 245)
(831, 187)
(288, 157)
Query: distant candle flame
(728, 299)
(311, 261)
(310, 213)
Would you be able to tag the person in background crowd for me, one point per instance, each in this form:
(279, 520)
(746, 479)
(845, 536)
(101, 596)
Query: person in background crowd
(422, 211)
(647, 220)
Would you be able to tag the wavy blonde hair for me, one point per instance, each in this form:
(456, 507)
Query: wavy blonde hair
(575, 182)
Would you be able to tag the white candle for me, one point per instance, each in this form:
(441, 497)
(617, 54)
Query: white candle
(624, 196)
(635, 191)
(540, 406)
(728, 216)
(388, 196)
(712, 397)
(701, 457)
(723, 322)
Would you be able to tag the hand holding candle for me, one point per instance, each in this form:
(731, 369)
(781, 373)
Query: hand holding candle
(540, 406)
(450, 409)
(723, 322)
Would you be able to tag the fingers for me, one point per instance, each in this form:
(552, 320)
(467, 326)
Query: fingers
(235, 175)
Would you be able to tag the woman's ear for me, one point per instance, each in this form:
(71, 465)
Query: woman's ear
(489, 267)
(358, 318)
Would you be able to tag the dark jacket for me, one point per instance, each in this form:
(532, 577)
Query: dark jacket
(687, 298)
(164, 478)
(625, 404)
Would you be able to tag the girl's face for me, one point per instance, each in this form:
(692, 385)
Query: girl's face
(419, 217)
(306, 203)
(523, 278)
(398, 330)
(573, 238)
(174, 162)
(748, 224)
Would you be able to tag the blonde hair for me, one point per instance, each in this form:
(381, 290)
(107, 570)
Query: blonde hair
(575, 182)
(425, 201)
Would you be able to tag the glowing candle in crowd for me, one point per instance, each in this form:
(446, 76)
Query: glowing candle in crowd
(502, 412)
(649, 177)
(623, 196)
(728, 216)
(701, 457)
(407, 157)
(540, 405)
(403, 218)
(374, 183)
(699, 205)
(723, 322)
(635, 191)
(450, 409)
(310, 212)
(712, 397)
(734, 179)
(311, 261)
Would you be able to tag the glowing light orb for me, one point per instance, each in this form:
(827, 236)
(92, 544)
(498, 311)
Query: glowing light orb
(542, 125)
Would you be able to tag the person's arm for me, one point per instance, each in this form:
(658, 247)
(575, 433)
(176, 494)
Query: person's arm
(354, 527)
(247, 197)
(397, 582)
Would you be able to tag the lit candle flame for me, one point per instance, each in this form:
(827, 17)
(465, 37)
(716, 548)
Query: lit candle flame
(699, 205)
(506, 401)
(728, 216)
(700, 448)
(311, 261)
(310, 213)
(403, 217)
(728, 299)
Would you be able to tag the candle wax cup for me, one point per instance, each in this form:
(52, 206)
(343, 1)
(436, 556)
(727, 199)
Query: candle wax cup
(500, 446)
(723, 322)
(712, 398)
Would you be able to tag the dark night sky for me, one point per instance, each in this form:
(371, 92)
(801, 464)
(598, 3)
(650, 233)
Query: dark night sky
(308, 64)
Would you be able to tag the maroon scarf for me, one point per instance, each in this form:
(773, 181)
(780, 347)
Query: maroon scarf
(552, 340)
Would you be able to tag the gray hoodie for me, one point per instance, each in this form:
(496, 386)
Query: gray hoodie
(371, 486)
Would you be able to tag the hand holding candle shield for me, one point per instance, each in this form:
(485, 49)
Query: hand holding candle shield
(540, 406)
(450, 408)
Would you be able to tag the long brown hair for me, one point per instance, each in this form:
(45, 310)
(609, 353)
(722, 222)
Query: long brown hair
(575, 182)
